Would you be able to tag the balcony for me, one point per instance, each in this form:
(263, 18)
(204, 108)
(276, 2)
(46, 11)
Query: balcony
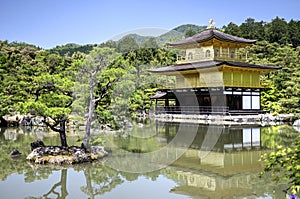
(196, 57)
(192, 110)
(204, 110)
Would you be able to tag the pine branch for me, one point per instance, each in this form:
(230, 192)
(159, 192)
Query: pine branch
(52, 126)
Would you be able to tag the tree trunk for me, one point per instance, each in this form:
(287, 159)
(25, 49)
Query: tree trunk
(63, 179)
(61, 130)
(62, 133)
(63, 187)
(89, 186)
(87, 136)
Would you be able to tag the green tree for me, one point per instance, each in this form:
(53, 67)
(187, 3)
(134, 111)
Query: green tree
(18, 65)
(294, 32)
(252, 30)
(94, 64)
(48, 91)
(232, 29)
(53, 100)
(277, 31)
(284, 163)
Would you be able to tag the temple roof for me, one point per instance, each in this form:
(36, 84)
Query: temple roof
(209, 34)
(210, 64)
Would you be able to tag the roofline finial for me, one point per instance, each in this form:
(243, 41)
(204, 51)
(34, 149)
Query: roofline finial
(211, 22)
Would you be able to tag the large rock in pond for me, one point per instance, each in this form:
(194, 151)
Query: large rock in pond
(65, 155)
(36, 144)
(15, 153)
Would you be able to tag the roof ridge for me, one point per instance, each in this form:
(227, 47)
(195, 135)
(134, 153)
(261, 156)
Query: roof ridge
(207, 34)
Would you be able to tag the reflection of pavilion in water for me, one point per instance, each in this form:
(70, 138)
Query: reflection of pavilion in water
(221, 161)
(229, 139)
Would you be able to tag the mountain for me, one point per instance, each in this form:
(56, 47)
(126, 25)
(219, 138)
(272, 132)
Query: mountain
(183, 28)
(138, 38)
(175, 34)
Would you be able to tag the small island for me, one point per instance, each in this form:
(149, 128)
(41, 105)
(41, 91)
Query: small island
(42, 154)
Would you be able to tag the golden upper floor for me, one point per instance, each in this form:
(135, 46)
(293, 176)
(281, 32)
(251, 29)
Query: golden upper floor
(213, 58)
(211, 44)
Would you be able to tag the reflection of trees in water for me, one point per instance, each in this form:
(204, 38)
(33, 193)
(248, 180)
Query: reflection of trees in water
(278, 135)
(10, 165)
(62, 184)
(100, 179)
(34, 173)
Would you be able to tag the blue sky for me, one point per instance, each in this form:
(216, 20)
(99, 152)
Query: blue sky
(47, 23)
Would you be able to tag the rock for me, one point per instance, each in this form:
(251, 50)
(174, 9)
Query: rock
(97, 149)
(12, 120)
(26, 121)
(15, 153)
(36, 144)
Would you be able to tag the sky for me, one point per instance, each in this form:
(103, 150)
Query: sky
(48, 23)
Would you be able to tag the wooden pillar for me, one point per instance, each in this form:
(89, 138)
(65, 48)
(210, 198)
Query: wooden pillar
(155, 107)
(166, 102)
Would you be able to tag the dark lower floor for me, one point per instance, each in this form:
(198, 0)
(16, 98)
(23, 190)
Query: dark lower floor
(208, 101)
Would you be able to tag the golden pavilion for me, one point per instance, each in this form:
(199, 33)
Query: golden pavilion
(212, 77)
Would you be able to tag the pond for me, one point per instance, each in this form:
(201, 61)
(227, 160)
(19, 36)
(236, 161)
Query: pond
(153, 160)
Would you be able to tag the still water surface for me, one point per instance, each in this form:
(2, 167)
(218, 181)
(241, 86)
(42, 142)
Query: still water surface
(220, 162)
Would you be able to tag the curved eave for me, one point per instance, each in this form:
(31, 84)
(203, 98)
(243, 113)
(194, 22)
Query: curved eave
(183, 68)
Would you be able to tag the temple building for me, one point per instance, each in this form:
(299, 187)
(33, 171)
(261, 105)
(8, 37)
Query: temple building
(212, 77)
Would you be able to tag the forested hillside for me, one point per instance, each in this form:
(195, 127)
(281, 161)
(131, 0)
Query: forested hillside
(30, 74)
(277, 31)
(42, 83)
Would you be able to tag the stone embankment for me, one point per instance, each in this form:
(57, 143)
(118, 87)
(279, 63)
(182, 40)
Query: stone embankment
(261, 119)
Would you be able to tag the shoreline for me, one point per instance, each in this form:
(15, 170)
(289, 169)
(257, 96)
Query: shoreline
(261, 119)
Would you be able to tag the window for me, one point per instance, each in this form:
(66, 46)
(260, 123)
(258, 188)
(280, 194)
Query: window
(232, 54)
(207, 54)
(255, 102)
(217, 52)
(190, 56)
(251, 102)
(246, 102)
